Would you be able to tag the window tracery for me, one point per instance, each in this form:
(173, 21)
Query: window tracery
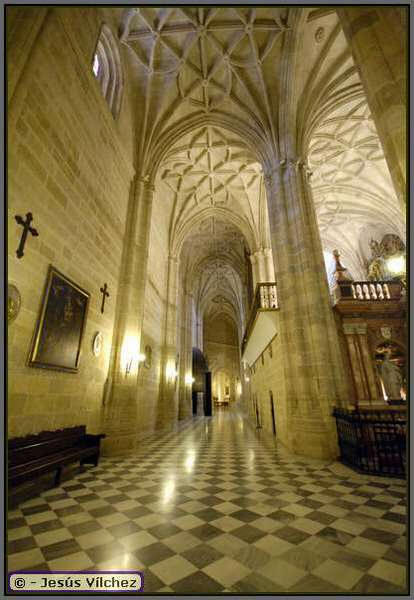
(106, 66)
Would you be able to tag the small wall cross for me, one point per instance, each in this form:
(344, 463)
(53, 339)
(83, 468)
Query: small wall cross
(104, 296)
(26, 230)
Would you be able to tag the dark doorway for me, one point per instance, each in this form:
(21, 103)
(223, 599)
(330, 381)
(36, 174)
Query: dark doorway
(207, 396)
(194, 395)
(200, 370)
(258, 426)
(272, 410)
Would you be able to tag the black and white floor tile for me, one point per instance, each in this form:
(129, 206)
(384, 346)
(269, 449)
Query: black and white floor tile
(218, 507)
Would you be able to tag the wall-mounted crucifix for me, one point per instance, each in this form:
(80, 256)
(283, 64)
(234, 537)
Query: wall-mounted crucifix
(105, 294)
(26, 229)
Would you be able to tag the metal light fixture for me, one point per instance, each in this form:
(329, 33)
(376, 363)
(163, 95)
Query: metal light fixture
(189, 379)
(130, 357)
(171, 372)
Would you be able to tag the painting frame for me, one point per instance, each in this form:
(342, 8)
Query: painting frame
(60, 327)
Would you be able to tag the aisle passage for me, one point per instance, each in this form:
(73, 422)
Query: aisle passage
(217, 507)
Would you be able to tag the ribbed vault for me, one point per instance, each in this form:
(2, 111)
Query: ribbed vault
(350, 181)
(214, 266)
(223, 92)
(204, 60)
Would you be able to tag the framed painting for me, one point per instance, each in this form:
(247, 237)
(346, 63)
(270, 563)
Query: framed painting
(61, 324)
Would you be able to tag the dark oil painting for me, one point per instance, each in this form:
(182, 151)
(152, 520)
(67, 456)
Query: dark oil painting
(58, 338)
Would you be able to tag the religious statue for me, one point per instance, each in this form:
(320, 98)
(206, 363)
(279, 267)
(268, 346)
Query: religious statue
(390, 246)
(375, 248)
(341, 274)
(376, 268)
(391, 378)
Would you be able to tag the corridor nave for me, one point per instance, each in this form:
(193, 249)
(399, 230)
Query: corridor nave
(219, 507)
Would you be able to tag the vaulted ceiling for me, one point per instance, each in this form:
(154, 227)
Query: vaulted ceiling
(192, 60)
(214, 263)
(212, 80)
(351, 186)
(210, 172)
(219, 214)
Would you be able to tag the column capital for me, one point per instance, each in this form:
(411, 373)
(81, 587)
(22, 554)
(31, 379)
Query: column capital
(284, 164)
(173, 258)
(145, 181)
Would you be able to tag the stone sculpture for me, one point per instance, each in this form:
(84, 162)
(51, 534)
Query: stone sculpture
(391, 378)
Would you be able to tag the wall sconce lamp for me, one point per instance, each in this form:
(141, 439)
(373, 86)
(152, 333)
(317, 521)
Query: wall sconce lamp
(171, 372)
(128, 366)
(189, 379)
(130, 357)
(139, 359)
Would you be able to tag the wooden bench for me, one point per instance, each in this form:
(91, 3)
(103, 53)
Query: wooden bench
(35, 455)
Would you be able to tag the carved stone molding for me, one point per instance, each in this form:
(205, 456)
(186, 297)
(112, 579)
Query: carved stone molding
(355, 329)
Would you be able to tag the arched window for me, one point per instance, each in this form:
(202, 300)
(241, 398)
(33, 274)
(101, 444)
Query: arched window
(106, 66)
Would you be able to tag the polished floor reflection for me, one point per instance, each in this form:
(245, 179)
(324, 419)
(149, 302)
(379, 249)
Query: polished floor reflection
(219, 507)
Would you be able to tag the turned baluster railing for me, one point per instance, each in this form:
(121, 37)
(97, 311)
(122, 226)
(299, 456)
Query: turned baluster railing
(369, 290)
(265, 298)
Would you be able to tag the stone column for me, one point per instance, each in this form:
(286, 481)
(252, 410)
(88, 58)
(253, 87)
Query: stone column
(378, 39)
(260, 270)
(120, 399)
(168, 402)
(184, 406)
(270, 267)
(199, 332)
(261, 266)
(361, 363)
(255, 275)
(314, 379)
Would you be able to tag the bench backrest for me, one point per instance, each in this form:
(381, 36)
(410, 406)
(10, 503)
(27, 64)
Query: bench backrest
(32, 447)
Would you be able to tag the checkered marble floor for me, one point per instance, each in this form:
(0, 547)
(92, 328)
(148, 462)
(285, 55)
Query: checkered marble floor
(219, 507)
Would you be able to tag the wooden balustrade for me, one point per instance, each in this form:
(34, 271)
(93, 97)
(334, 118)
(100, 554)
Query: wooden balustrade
(377, 291)
(265, 298)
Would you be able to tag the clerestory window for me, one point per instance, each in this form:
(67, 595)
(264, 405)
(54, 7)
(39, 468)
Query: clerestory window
(106, 66)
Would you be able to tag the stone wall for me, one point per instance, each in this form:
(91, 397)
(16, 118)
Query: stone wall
(68, 164)
(267, 375)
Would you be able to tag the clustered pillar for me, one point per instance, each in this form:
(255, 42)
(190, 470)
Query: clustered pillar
(378, 39)
(170, 364)
(314, 377)
(184, 404)
(121, 410)
(262, 266)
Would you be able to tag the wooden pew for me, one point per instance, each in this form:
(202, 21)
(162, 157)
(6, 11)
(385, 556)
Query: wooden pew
(34, 455)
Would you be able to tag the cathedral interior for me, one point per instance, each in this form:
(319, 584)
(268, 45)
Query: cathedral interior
(207, 306)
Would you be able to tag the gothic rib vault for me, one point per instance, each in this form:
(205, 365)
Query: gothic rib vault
(227, 67)
(219, 216)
